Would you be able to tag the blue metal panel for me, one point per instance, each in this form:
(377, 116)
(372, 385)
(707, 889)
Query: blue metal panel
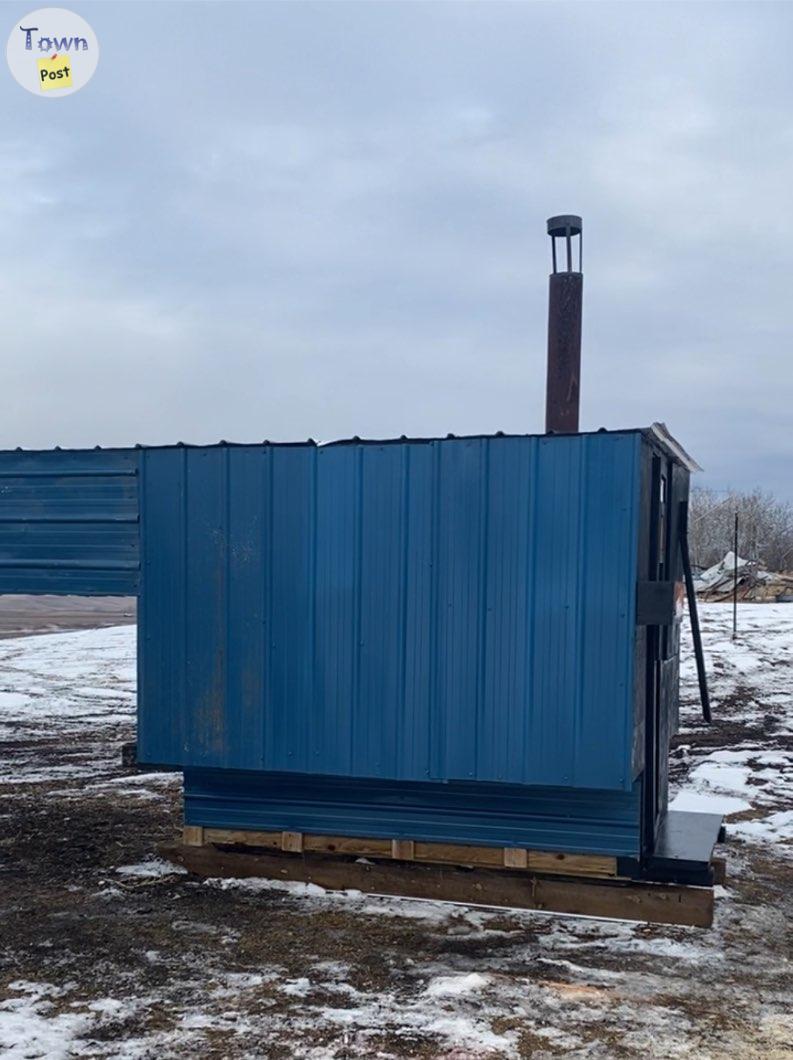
(163, 708)
(597, 822)
(337, 574)
(69, 522)
(291, 732)
(452, 610)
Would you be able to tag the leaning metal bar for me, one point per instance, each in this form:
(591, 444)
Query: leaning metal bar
(735, 582)
(696, 634)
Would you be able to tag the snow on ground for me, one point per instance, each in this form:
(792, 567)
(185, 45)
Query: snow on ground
(58, 687)
(751, 685)
(108, 951)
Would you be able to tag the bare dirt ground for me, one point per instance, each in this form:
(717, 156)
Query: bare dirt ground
(108, 953)
(21, 615)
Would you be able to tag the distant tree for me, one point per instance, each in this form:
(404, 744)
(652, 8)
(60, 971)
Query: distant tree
(766, 527)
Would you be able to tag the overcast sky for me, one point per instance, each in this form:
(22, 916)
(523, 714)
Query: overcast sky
(291, 220)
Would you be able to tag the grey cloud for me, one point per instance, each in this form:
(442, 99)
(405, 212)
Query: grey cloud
(283, 220)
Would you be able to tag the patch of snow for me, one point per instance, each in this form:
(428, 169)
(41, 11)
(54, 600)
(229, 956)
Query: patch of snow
(776, 828)
(29, 1029)
(721, 776)
(163, 779)
(454, 985)
(76, 687)
(107, 1006)
(297, 987)
(422, 909)
(750, 681)
(474, 1036)
(151, 869)
(254, 886)
(13, 701)
(702, 802)
(111, 892)
(234, 982)
(464, 1035)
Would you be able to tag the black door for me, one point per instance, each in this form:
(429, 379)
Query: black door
(669, 486)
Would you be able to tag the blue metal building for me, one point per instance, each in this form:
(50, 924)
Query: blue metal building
(466, 640)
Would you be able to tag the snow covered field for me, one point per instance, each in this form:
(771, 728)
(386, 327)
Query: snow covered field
(108, 952)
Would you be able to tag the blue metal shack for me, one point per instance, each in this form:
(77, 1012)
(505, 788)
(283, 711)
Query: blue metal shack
(443, 639)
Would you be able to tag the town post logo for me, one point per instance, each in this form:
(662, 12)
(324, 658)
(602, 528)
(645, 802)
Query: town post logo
(52, 52)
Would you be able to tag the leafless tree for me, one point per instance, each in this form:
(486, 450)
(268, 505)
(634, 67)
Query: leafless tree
(766, 527)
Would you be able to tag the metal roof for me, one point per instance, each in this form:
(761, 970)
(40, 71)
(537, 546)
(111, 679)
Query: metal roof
(658, 433)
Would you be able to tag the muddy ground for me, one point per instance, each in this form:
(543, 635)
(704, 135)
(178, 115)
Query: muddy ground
(106, 953)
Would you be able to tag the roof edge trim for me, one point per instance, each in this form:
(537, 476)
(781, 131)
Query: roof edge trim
(662, 433)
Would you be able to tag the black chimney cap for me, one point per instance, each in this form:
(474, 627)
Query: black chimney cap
(558, 226)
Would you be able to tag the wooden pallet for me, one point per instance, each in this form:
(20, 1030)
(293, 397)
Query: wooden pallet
(466, 855)
(207, 853)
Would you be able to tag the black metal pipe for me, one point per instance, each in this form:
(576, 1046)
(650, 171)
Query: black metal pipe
(735, 581)
(696, 634)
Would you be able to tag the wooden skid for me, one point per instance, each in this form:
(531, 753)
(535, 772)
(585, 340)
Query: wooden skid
(512, 858)
(655, 903)
(719, 870)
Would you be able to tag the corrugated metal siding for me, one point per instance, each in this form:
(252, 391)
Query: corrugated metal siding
(69, 522)
(454, 610)
(598, 822)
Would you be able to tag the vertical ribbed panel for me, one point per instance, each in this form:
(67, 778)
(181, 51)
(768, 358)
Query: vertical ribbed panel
(69, 522)
(446, 610)
(291, 722)
(163, 642)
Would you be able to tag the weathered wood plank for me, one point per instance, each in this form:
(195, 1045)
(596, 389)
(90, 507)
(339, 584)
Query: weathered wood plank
(459, 854)
(515, 858)
(339, 844)
(654, 903)
(243, 837)
(572, 864)
(292, 842)
(403, 849)
(719, 870)
(324, 844)
(537, 861)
